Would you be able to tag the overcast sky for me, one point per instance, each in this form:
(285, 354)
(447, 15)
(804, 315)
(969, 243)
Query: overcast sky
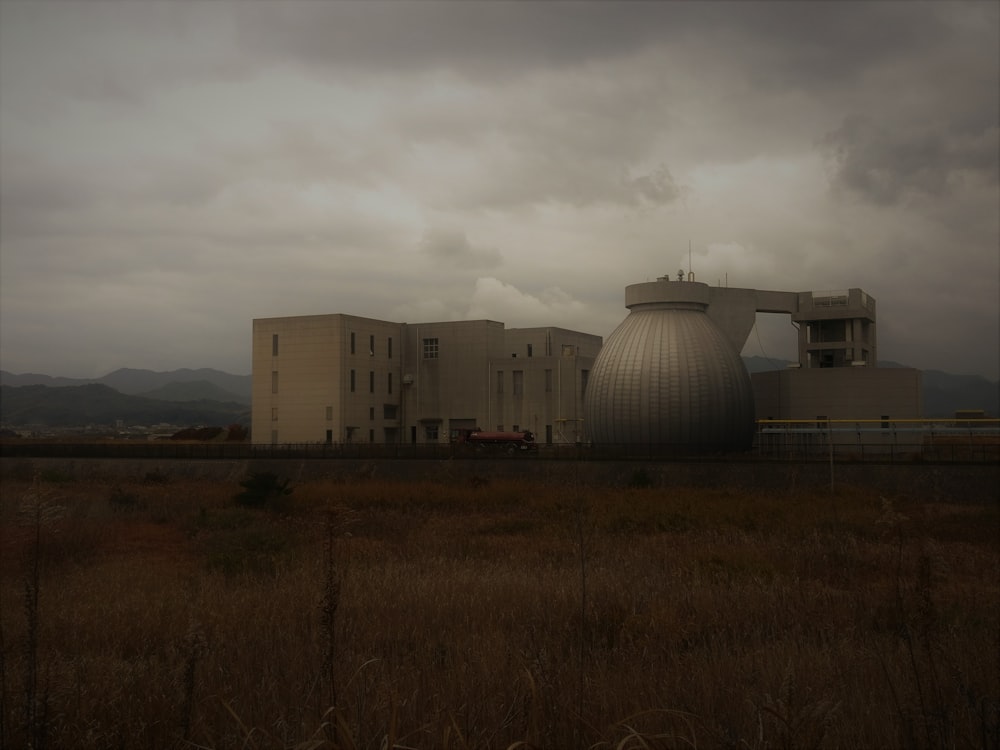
(171, 170)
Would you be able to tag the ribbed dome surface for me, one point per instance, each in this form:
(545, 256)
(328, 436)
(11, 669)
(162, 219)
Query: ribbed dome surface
(668, 377)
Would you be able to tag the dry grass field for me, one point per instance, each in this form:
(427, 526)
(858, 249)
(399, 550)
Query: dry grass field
(161, 613)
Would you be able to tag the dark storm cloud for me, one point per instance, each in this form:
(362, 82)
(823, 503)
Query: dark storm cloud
(883, 165)
(270, 158)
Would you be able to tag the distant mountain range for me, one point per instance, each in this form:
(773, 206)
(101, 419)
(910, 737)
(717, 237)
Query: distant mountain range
(136, 397)
(212, 397)
(176, 385)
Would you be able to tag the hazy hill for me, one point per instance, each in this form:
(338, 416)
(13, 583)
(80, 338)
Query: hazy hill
(78, 406)
(227, 387)
(195, 390)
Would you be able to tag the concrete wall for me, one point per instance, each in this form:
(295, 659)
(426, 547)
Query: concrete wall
(302, 390)
(838, 393)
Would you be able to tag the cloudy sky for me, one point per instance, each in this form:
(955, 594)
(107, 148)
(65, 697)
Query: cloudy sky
(170, 171)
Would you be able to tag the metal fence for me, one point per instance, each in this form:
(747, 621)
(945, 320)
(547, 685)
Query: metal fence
(834, 440)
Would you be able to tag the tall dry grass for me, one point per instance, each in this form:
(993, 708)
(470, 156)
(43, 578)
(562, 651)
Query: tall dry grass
(376, 614)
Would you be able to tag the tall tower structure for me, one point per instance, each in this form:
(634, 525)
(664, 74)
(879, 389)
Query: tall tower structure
(836, 329)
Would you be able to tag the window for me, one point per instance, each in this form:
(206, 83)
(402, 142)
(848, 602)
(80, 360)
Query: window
(353, 381)
(584, 379)
(548, 381)
(329, 436)
(885, 421)
(389, 411)
(430, 348)
(274, 437)
(274, 413)
(352, 342)
(329, 414)
(388, 383)
(274, 345)
(529, 350)
(431, 432)
(371, 346)
(822, 422)
(518, 382)
(500, 381)
(274, 381)
(371, 413)
(371, 381)
(388, 347)
(371, 436)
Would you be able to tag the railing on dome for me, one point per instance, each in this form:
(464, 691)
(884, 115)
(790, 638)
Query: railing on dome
(894, 440)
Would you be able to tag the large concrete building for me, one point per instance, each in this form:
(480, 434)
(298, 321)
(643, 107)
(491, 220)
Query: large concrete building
(346, 379)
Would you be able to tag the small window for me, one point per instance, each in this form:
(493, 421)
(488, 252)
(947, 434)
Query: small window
(371, 381)
(274, 413)
(371, 346)
(430, 348)
(885, 421)
(274, 381)
(274, 437)
(389, 411)
(529, 350)
(274, 345)
(516, 428)
(431, 433)
(371, 413)
(500, 381)
(822, 422)
(352, 342)
(353, 380)
(371, 436)
(548, 381)
(329, 414)
(517, 378)
(388, 383)
(388, 347)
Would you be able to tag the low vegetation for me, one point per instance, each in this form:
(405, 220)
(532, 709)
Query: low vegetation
(164, 613)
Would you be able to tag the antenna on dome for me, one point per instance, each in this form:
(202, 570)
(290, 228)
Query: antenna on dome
(690, 270)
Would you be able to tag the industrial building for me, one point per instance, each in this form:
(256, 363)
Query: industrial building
(670, 375)
(346, 379)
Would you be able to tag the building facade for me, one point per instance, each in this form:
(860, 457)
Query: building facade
(346, 379)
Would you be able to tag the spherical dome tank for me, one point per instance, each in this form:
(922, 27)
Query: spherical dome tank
(668, 377)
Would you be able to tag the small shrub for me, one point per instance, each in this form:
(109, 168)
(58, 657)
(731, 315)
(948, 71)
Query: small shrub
(155, 477)
(263, 489)
(122, 500)
(640, 479)
(55, 476)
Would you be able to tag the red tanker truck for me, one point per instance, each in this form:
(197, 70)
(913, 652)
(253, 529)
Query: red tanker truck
(509, 442)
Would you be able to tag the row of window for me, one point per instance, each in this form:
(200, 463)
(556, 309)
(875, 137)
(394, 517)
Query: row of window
(371, 345)
(517, 381)
(354, 345)
(371, 382)
(389, 411)
(430, 347)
